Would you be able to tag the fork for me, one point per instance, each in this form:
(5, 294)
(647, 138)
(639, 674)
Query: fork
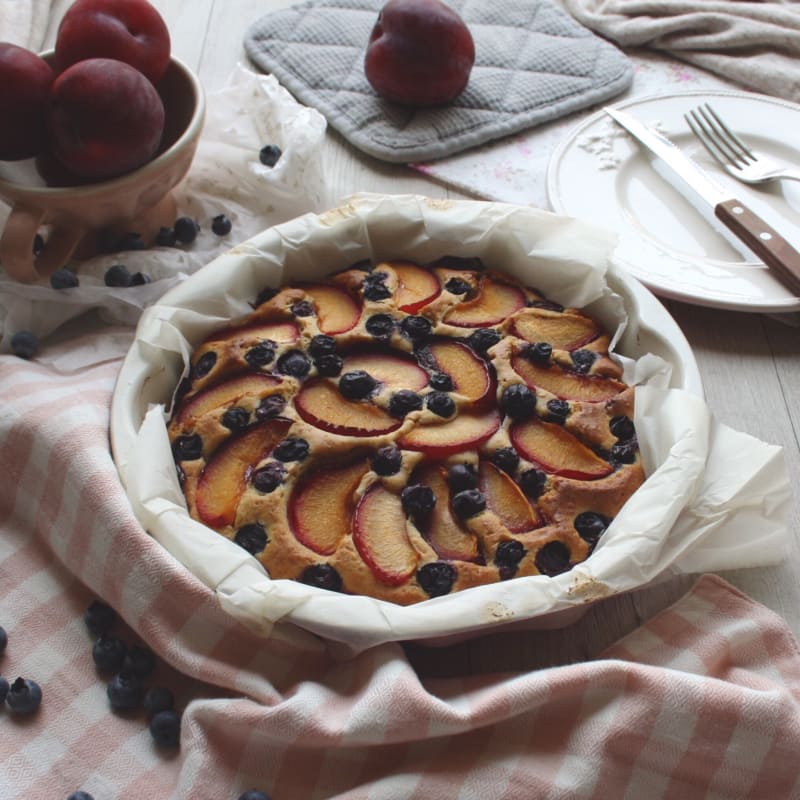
(735, 157)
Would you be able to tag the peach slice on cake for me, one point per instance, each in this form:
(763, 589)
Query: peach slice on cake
(227, 393)
(464, 432)
(561, 331)
(557, 451)
(321, 505)
(494, 302)
(416, 286)
(392, 369)
(441, 528)
(471, 375)
(565, 384)
(224, 479)
(337, 312)
(506, 500)
(321, 404)
(381, 538)
(280, 332)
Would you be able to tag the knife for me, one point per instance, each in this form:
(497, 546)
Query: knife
(745, 224)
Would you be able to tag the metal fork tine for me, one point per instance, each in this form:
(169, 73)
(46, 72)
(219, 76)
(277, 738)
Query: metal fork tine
(700, 131)
(717, 136)
(731, 136)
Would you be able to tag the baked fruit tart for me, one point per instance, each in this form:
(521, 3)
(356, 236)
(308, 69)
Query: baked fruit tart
(404, 431)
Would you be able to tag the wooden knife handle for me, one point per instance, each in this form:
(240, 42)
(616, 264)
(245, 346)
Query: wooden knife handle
(763, 240)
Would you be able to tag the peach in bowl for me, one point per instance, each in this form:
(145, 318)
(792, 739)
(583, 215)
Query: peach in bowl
(73, 201)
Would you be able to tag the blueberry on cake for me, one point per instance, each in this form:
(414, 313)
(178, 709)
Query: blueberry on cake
(404, 431)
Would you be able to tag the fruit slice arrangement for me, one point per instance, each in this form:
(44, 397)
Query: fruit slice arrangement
(405, 431)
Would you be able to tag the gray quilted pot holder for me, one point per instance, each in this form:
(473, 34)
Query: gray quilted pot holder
(533, 63)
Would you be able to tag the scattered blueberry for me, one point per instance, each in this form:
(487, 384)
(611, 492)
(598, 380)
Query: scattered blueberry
(166, 237)
(482, 340)
(583, 360)
(270, 406)
(117, 275)
(165, 728)
(130, 241)
(622, 427)
(3, 640)
(387, 461)
(124, 691)
(518, 401)
(418, 499)
(417, 328)
(329, 365)
(204, 364)
(462, 476)
(261, 354)
(140, 279)
(441, 381)
(186, 230)
(404, 402)
(253, 794)
(374, 286)
(292, 448)
(625, 452)
(356, 384)
(25, 344)
(294, 363)
(457, 286)
(323, 576)
(558, 410)
(269, 477)
(468, 503)
(3, 688)
(590, 526)
(269, 155)
(139, 661)
(380, 326)
(302, 308)
(106, 241)
(506, 459)
(436, 578)
(532, 482)
(99, 618)
(80, 795)
(252, 537)
(187, 448)
(321, 345)
(221, 225)
(441, 404)
(552, 558)
(64, 279)
(509, 553)
(108, 653)
(537, 352)
(236, 418)
(158, 698)
(24, 696)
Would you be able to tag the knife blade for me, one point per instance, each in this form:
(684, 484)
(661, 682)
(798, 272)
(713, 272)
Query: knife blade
(776, 253)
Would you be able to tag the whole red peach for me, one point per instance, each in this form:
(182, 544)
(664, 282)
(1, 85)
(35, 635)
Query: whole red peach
(105, 118)
(25, 80)
(128, 30)
(420, 53)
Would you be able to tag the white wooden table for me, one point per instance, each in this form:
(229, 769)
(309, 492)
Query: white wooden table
(750, 366)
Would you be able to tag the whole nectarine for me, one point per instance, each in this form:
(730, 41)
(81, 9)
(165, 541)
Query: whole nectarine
(25, 80)
(105, 119)
(420, 53)
(128, 30)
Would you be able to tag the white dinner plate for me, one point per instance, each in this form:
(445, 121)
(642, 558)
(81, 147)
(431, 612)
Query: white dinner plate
(600, 174)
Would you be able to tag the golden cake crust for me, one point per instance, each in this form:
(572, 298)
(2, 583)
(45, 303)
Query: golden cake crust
(405, 431)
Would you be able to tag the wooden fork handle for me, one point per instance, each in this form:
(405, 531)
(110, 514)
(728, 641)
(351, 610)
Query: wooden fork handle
(763, 240)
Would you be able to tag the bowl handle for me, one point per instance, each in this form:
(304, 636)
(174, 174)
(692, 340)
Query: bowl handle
(16, 245)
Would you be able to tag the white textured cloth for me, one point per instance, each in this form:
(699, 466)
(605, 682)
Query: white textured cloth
(756, 44)
(24, 22)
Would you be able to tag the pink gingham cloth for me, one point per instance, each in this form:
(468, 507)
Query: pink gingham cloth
(700, 702)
